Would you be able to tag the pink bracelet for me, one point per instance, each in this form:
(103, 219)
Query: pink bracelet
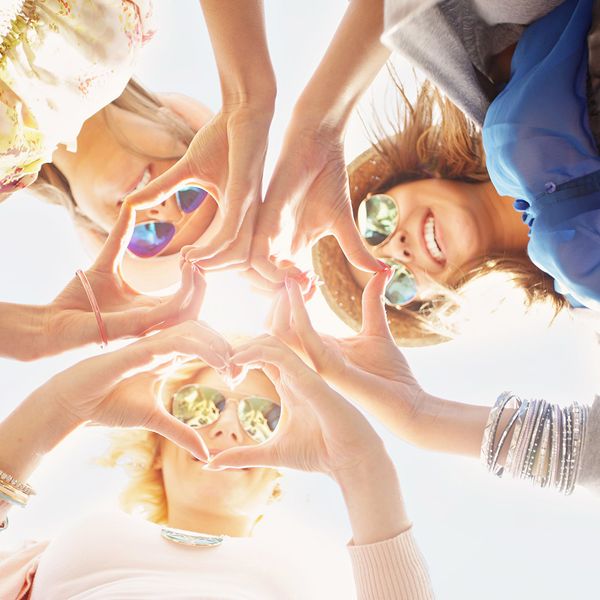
(94, 304)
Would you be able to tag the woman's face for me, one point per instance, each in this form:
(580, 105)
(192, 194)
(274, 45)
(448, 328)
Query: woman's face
(103, 170)
(442, 226)
(230, 491)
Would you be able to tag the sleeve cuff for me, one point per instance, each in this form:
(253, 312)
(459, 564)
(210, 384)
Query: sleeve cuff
(393, 569)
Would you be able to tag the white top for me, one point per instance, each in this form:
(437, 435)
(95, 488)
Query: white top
(74, 58)
(115, 556)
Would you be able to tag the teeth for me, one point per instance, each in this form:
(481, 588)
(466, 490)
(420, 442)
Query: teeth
(430, 241)
(144, 181)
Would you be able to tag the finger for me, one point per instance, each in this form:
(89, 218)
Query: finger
(163, 187)
(177, 432)
(116, 244)
(260, 283)
(237, 253)
(309, 338)
(374, 318)
(352, 245)
(244, 456)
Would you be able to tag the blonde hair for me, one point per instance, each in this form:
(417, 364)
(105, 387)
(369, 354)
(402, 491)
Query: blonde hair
(52, 186)
(434, 139)
(137, 452)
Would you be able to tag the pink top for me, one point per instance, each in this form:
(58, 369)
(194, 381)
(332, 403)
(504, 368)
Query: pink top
(127, 558)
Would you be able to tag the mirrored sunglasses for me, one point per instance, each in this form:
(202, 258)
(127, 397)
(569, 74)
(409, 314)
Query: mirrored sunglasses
(198, 406)
(377, 220)
(151, 238)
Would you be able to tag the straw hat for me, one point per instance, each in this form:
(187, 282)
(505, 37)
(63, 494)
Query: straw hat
(367, 173)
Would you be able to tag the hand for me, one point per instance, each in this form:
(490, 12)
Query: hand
(126, 312)
(103, 389)
(318, 430)
(226, 158)
(367, 367)
(309, 190)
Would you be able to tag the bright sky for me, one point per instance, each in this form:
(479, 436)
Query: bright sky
(482, 538)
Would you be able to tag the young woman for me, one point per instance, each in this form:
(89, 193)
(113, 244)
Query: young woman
(294, 420)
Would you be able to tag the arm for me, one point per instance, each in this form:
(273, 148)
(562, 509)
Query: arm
(22, 331)
(310, 178)
(226, 157)
(350, 64)
(321, 432)
(386, 561)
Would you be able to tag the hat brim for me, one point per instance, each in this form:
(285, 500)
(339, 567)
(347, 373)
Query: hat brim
(342, 293)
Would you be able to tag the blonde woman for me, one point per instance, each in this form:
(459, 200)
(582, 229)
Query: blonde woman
(198, 541)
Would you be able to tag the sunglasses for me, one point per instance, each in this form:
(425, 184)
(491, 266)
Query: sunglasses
(150, 238)
(377, 221)
(198, 406)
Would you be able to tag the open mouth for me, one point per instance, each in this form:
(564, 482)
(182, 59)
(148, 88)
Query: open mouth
(431, 242)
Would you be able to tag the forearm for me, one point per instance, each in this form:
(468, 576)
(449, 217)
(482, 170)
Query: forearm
(238, 36)
(386, 560)
(373, 500)
(22, 331)
(34, 428)
(350, 64)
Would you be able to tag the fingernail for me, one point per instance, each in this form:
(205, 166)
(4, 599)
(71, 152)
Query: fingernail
(209, 467)
(382, 266)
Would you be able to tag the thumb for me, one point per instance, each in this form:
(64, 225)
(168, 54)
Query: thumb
(242, 456)
(178, 433)
(350, 241)
(162, 187)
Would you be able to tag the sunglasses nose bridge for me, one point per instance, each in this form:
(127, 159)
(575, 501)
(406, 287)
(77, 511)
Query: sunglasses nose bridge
(228, 424)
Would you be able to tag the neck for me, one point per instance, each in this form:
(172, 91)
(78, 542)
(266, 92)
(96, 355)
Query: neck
(508, 232)
(194, 519)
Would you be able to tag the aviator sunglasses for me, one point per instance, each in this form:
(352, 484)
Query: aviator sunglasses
(150, 238)
(198, 406)
(377, 221)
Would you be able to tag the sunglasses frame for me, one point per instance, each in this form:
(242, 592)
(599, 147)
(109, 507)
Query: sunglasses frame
(229, 395)
(391, 262)
(184, 212)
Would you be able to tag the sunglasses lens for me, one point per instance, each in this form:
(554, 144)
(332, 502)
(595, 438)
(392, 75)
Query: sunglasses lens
(259, 417)
(190, 198)
(402, 287)
(149, 239)
(197, 406)
(377, 218)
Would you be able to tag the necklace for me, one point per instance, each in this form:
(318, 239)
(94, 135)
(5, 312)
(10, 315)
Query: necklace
(191, 538)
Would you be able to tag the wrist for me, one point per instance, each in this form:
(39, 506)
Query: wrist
(255, 90)
(23, 331)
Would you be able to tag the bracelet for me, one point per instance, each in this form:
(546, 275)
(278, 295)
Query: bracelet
(546, 442)
(95, 308)
(7, 479)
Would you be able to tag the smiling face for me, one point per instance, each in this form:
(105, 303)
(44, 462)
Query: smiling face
(105, 168)
(442, 227)
(230, 492)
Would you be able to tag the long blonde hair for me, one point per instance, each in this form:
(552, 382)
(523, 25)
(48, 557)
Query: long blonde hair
(52, 186)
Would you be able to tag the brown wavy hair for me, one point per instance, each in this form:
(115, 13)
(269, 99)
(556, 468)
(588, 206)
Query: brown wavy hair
(433, 138)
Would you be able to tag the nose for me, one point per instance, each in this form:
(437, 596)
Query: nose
(396, 246)
(227, 429)
(168, 210)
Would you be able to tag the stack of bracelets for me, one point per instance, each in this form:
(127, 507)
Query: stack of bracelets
(544, 442)
(14, 492)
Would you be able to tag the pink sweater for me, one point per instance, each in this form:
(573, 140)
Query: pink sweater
(117, 556)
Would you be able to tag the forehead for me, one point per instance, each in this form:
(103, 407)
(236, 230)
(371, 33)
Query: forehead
(256, 383)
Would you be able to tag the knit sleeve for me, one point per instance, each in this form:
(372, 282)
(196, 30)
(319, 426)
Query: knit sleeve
(391, 570)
